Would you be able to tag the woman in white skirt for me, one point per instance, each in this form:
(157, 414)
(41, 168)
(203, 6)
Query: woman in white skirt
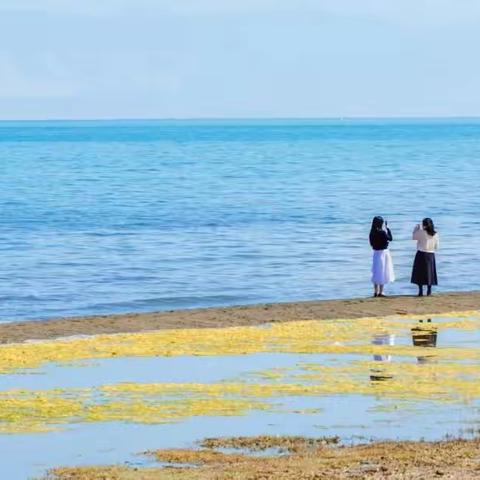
(382, 266)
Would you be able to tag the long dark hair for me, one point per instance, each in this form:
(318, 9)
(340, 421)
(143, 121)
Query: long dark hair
(428, 226)
(377, 224)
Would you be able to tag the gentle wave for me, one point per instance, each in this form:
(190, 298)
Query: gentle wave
(106, 217)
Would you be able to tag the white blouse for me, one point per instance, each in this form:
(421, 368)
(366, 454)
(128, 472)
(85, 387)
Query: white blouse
(425, 242)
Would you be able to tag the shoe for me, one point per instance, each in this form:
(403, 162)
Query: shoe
(382, 295)
(375, 295)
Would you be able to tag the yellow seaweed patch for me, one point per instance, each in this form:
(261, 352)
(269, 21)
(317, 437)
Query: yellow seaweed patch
(35, 411)
(324, 336)
(417, 373)
(23, 411)
(166, 402)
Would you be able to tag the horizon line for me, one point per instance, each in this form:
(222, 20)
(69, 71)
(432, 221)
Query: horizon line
(240, 118)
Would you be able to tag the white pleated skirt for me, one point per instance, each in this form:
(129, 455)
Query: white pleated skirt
(382, 267)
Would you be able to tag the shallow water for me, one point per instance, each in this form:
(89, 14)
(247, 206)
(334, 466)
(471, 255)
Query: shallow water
(393, 378)
(105, 217)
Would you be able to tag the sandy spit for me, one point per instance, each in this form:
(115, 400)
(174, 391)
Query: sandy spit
(238, 316)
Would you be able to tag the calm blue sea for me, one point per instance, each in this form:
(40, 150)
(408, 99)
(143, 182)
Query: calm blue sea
(106, 217)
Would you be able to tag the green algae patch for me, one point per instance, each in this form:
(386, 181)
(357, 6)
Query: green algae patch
(343, 336)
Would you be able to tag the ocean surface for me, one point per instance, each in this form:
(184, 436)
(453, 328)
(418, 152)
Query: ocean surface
(124, 216)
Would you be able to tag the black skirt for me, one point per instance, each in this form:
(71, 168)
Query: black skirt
(424, 269)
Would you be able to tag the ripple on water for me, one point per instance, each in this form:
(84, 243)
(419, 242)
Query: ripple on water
(230, 213)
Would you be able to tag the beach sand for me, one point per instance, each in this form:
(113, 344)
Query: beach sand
(239, 316)
(309, 459)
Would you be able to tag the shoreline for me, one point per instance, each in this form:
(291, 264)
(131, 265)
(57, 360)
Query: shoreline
(396, 460)
(247, 315)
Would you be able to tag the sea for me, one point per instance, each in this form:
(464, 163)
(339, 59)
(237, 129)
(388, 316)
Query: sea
(103, 217)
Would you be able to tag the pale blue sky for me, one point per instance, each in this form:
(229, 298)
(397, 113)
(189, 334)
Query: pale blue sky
(238, 58)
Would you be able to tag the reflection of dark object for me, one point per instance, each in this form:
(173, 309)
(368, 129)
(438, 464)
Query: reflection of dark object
(424, 336)
(377, 376)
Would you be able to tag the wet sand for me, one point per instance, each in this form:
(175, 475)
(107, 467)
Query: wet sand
(305, 459)
(239, 316)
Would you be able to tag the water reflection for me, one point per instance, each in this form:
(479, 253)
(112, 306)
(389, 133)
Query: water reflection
(273, 380)
(380, 374)
(424, 335)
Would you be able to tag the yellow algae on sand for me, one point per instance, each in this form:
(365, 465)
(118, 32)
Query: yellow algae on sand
(322, 336)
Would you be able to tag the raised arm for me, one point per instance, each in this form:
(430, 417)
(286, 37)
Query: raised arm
(389, 235)
(416, 232)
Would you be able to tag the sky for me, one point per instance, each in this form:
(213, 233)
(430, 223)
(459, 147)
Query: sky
(238, 58)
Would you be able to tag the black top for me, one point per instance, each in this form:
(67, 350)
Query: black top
(379, 239)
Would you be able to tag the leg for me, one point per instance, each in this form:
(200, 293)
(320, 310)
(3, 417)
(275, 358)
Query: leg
(375, 290)
(429, 290)
(380, 291)
(420, 290)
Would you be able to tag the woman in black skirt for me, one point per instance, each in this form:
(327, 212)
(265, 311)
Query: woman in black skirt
(424, 268)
